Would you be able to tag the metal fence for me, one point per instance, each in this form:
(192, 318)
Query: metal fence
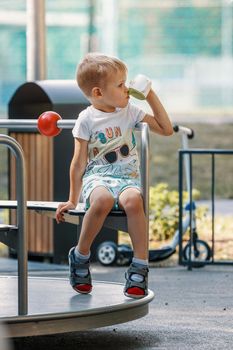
(192, 259)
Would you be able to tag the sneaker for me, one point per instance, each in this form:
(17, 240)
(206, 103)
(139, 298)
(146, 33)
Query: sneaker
(81, 284)
(135, 289)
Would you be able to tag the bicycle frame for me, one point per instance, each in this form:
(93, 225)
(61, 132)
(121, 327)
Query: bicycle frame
(185, 224)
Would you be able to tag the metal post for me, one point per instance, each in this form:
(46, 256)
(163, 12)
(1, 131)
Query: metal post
(144, 164)
(36, 50)
(21, 222)
(185, 145)
(213, 204)
(191, 210)
(180, 205)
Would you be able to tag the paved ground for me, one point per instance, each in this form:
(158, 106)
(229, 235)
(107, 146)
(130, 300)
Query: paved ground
(191, 310)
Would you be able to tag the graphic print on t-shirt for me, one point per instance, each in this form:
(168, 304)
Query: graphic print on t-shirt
(111, 142)
(113, 154)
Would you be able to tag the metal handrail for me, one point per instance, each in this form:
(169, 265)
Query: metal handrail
(31, 124)
(144, 167)
(15, 147)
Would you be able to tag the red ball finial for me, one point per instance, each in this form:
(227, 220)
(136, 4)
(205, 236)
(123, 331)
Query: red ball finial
(47, 123)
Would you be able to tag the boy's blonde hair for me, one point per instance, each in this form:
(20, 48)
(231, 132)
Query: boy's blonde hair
(95, 69)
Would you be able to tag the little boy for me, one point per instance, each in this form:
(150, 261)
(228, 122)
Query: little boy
(105, 167)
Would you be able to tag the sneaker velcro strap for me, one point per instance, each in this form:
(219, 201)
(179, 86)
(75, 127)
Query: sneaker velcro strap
(138, 270)
(131, 284)
(80, 280)
(127, 276)
(75, 265)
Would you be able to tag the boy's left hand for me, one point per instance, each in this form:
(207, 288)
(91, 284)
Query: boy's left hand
(62, 207)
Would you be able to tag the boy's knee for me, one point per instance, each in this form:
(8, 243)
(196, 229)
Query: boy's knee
(103, 204)
(133, 203)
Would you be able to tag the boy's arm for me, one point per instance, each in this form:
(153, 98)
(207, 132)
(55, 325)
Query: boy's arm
(77, 169)
(159, 122)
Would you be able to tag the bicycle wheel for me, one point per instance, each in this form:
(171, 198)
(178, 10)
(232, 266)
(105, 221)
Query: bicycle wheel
(199, 254)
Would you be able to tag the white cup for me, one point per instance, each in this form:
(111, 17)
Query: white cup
(139, 87)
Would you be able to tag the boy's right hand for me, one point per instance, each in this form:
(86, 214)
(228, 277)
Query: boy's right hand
(140, 86)
(62, 207)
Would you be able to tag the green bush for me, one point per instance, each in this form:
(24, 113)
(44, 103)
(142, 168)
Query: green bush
(164, 211)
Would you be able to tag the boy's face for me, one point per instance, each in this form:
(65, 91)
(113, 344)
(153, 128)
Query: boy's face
(114, 93)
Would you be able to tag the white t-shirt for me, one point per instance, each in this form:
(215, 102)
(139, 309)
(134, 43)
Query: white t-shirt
(111, 141)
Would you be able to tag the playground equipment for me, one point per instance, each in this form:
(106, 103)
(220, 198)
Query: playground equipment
(108, 253)
(42, 313)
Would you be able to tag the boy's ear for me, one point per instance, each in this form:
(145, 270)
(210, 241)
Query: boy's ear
(96, 92)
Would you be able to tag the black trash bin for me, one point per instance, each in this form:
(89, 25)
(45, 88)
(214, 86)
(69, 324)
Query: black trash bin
(47, 162)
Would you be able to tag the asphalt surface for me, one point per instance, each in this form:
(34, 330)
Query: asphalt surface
(191, 310)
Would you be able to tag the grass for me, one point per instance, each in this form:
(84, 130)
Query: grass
(164, 159)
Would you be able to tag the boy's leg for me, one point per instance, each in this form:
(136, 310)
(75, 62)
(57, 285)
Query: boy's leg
(101, 202)
(136, 277)
(130, 200)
